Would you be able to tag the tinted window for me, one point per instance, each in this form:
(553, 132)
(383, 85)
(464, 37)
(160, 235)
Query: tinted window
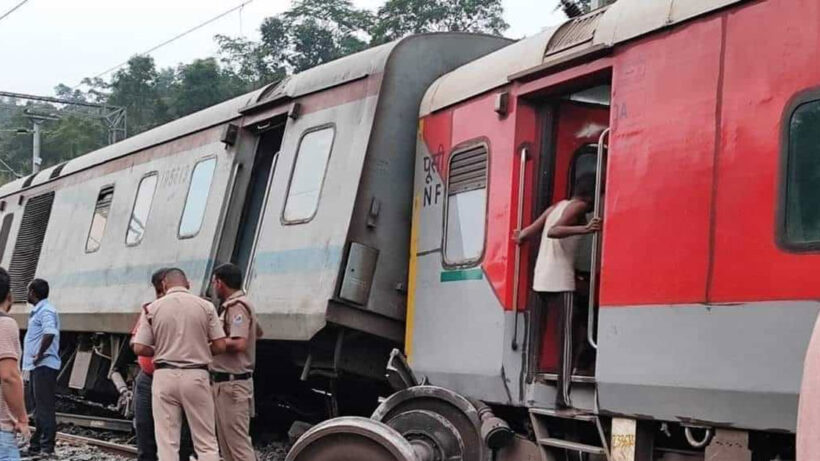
(308, 175)
(803, 176)
(197, 199)
(466, 207)
(5, 230)
(100, 219)
(141, 210)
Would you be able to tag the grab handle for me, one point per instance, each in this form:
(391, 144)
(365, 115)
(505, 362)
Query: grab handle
(596, 241)
(522, 170)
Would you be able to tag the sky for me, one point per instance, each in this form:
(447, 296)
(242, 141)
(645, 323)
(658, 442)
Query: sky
(47, 42)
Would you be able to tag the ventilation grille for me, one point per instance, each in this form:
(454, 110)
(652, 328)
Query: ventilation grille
(29, 243)
(56, 172)
(468, 170)
(29, 180)
(575, 32)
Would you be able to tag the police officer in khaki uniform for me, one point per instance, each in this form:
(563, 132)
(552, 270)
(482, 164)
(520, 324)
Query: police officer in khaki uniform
(232, 372)
(182, 332)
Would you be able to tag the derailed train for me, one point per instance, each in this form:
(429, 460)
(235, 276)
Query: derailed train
(700, 118)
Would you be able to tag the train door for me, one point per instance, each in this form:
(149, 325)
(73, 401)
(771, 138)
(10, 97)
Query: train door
(573, 130)
(264, 165)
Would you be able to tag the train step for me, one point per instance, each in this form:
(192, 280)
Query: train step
(572, 446)
(543, 418)
(577, 415)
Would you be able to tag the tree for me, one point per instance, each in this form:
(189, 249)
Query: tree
(135, 88)
(312, 32)
(248, 65)
(399, 18)
(318, 31)
(200, 85)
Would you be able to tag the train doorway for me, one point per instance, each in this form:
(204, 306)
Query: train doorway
(562, 328)
(264, 166)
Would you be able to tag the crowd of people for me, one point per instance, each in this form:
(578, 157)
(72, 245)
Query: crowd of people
(193, 396)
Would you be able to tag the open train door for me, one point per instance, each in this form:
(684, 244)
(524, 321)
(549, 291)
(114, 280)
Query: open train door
(575, 116)
(575, 151)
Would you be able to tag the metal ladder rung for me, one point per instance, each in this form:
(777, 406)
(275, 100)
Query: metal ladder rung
(572, 446)
(572, 415)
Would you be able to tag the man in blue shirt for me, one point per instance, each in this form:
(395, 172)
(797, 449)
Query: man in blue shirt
(41, 359)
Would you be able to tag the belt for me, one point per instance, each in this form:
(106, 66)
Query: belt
(219, 377)
(169, 366)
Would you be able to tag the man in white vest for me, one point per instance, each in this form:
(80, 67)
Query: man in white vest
(561, 227)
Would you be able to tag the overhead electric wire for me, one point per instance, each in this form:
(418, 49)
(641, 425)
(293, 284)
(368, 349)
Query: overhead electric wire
(7, 13)
(10, 169)
(175, 38)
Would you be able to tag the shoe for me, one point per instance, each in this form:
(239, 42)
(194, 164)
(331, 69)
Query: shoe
(30, 454)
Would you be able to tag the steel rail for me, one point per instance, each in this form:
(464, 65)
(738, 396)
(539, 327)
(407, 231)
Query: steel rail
(110, 447)
(96, 422)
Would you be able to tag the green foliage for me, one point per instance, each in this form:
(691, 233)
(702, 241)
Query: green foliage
(398, 18)
(134, 87)
(309, 34)
(200, 85)
(70, 136)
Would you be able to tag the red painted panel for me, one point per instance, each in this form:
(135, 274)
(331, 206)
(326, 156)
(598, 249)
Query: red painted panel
(437, 135)
(763, 70)
(478, 119)
(656, 226)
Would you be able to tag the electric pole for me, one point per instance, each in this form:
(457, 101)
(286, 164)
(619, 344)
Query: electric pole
(37, 120)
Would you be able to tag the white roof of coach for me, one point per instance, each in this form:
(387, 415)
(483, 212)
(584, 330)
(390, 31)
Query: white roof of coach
(321, 77)
(205, 118)
(485, 73)
(622, 21)
(328, 75)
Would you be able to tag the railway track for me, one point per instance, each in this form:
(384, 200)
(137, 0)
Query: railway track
(127, 451)
(96, 422)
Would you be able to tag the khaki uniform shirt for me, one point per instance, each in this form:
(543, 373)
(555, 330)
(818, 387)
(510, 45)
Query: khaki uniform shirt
(9, 349)
(180, 327)
(238, 318)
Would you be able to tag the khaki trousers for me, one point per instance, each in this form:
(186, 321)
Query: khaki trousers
(234, 406)
(173, 392)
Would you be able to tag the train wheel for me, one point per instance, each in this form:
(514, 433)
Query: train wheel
(439, 423)
(352, 439)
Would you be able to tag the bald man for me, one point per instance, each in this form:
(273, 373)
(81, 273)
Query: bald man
(182, 332)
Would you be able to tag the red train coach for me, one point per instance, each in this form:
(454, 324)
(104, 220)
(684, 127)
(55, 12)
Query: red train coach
(701, 119)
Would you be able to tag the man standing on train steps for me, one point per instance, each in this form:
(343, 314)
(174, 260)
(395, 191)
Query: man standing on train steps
(232, 372)
(560, 227)
(41, 359)
(182, 332)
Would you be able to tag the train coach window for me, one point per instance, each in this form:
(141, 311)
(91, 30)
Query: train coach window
(802, 180)
(142, 207)
(100, 219)
(197, 199)
(466, 207)
(308, 175)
